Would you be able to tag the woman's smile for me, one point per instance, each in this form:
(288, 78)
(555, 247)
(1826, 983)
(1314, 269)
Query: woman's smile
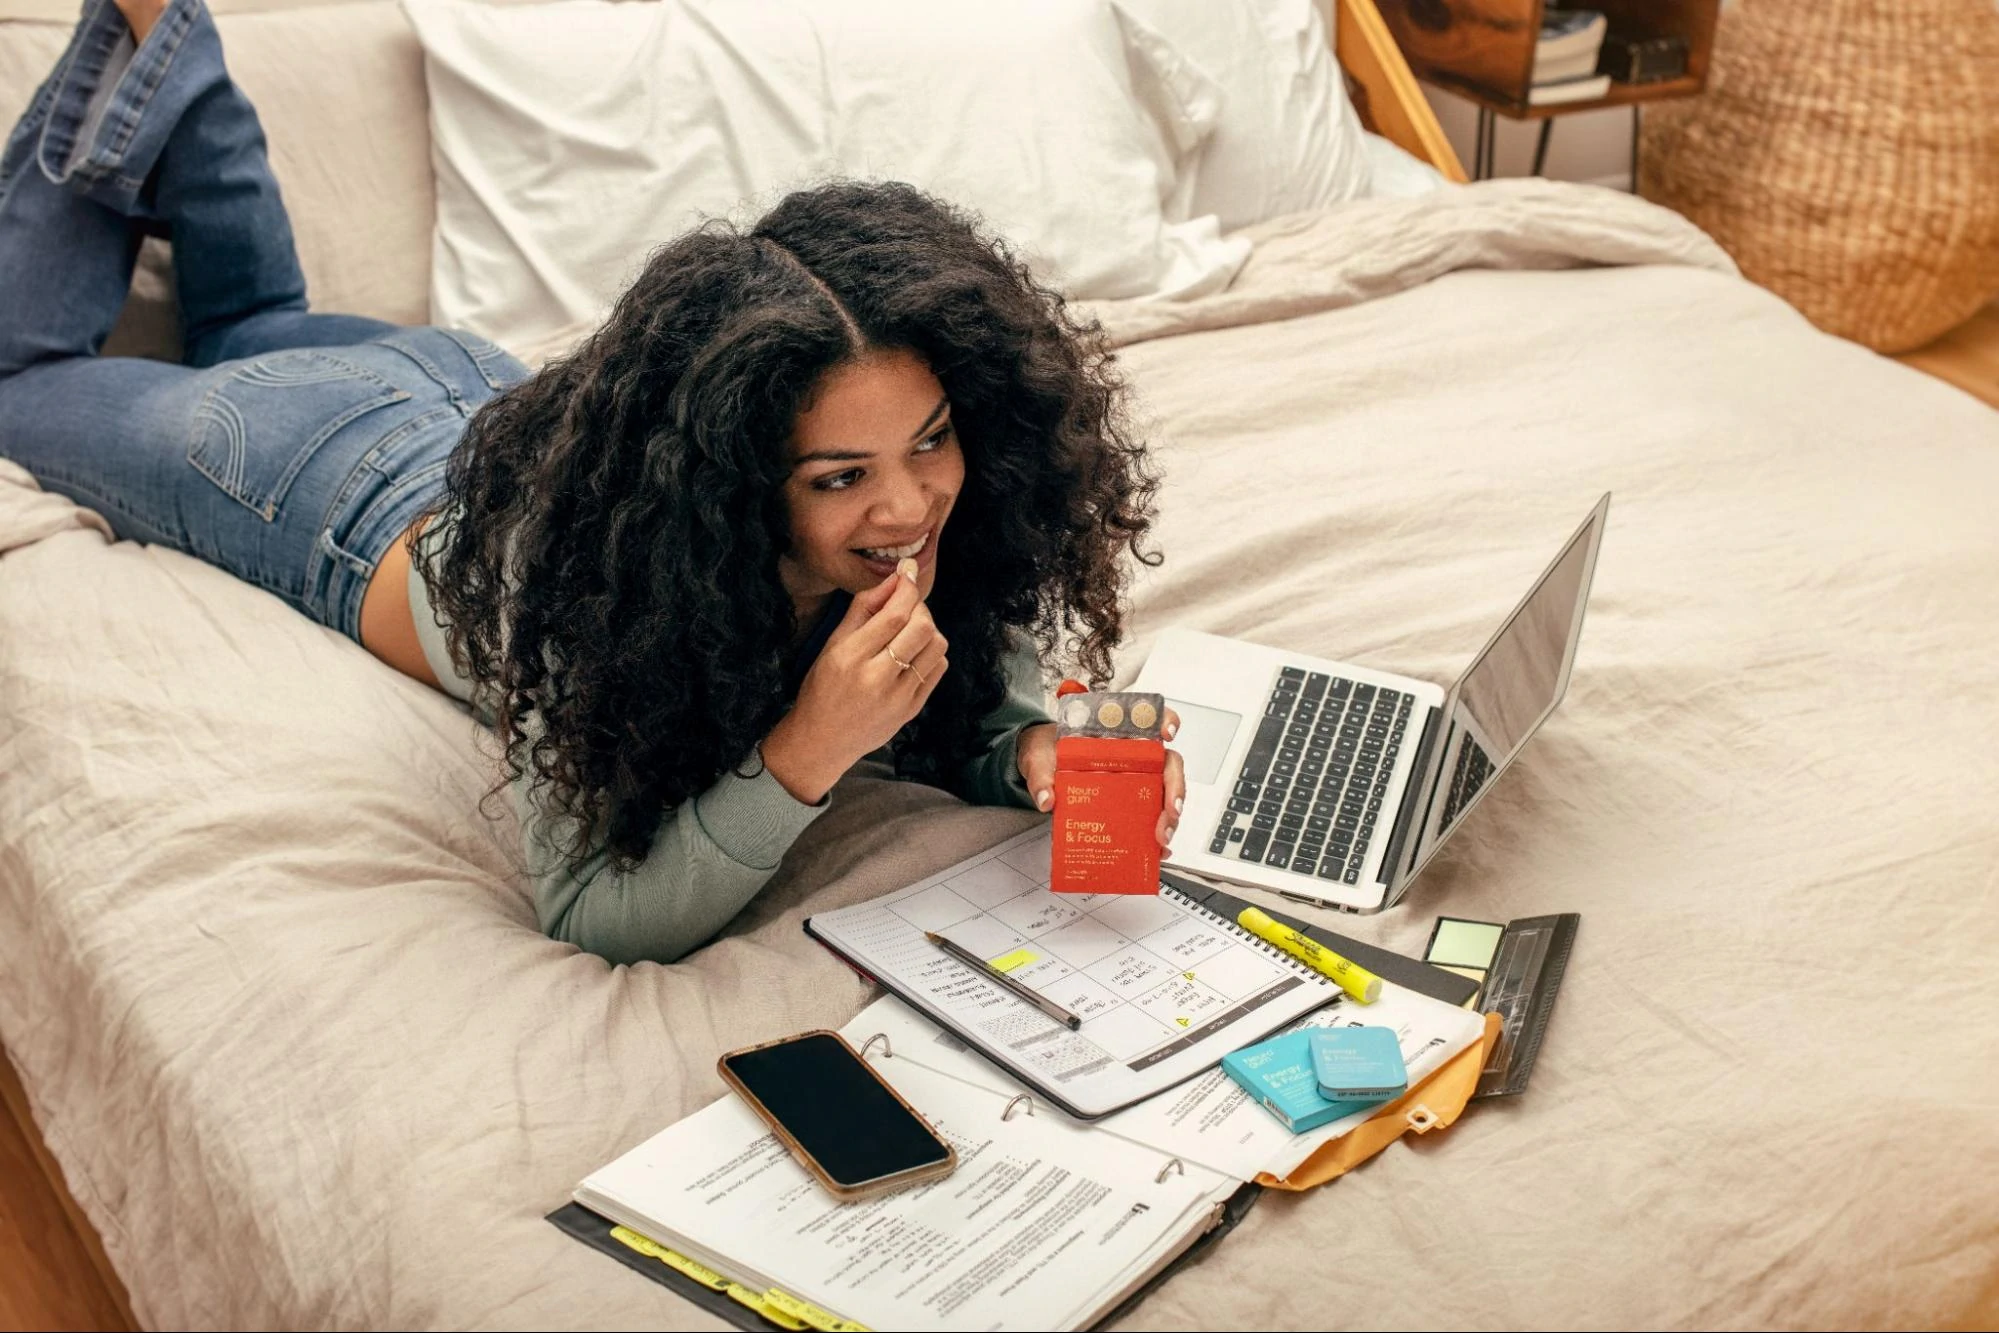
(882, 560)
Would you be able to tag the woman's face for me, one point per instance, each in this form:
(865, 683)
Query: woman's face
(875, 470)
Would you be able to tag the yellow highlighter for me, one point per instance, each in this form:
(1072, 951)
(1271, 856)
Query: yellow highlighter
(1354, 979)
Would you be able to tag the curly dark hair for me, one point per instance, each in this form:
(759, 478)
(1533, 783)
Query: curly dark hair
(610, 580)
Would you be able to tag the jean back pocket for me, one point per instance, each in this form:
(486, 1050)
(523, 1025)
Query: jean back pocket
(255, 430)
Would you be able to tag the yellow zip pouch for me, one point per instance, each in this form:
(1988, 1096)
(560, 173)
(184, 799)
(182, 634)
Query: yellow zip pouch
(1435, 1103)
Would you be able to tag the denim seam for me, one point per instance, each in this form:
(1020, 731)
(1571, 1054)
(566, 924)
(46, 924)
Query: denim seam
(391, 495)
(375, 458)
(486, 351)
(62, 123)
(430, 368)
(30, 128)
(324, 546)
(344, 606)
(153, 73)
(268, 510)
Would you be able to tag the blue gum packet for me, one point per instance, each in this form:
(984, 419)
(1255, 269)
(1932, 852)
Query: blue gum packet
(1359, 1064)
(1278, 1074)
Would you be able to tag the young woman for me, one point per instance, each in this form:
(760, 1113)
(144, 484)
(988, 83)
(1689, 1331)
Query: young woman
(833, 483)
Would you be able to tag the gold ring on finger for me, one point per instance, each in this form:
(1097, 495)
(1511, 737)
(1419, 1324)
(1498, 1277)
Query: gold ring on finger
(906, 666)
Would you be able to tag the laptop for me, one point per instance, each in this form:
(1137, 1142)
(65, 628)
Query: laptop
(1335, 784)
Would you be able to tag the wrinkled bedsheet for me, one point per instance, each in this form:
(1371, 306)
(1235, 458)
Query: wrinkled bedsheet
(273, 983)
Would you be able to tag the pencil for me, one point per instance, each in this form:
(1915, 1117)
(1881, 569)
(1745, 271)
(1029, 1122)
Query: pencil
(993, 974)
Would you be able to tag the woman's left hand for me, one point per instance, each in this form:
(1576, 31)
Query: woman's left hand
(1036, 761)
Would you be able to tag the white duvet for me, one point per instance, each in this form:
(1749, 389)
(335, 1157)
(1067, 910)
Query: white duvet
(276, 991)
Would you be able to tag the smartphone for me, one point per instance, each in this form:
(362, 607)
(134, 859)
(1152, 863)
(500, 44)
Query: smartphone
(839, 1118)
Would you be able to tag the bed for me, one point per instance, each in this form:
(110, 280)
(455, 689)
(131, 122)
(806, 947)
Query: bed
(281, 1014)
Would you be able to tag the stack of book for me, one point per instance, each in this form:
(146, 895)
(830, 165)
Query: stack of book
(1565, 57)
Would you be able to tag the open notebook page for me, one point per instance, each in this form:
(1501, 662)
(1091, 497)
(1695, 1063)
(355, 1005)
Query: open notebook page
(1164, 988)
(1210, 1119)
(1045, 1223)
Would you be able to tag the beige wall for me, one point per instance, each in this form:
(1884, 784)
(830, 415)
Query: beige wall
(1593, 146)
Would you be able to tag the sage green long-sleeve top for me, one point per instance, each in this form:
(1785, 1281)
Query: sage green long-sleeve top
(716, 851)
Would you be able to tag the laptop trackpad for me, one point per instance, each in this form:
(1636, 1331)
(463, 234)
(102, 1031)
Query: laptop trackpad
(1204, 738)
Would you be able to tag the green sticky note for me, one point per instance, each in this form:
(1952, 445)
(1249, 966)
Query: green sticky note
(1458, 943)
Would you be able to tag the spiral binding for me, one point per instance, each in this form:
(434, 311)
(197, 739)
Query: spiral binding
(1253, 940)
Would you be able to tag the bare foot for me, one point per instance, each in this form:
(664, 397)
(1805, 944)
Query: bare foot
(141, 15)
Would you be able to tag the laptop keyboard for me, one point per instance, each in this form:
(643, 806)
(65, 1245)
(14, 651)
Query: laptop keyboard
(1473, 768)
(1309, 794)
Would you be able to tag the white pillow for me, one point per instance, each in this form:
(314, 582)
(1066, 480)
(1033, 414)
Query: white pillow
(570, 139)
(1397, 173)
(1287, 139)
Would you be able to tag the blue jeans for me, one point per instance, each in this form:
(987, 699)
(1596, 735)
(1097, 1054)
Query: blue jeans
(291, 448)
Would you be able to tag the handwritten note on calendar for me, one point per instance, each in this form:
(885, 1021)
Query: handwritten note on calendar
(1164, 987)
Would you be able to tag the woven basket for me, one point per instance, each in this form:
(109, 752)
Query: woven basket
(1846, 153)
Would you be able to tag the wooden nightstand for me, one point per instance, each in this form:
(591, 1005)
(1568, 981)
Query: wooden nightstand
(1483, 50)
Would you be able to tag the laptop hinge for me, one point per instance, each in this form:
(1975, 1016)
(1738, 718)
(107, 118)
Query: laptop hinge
(1406, 817)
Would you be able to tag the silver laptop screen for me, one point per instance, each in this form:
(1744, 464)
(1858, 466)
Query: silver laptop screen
(1509, 689)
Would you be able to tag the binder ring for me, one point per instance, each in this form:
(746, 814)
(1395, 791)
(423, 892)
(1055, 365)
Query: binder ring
(1173, 1167)
(869, 1045)
(1021, 1100)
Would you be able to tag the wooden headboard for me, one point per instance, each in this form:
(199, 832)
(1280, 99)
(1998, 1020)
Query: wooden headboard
(1383, 90)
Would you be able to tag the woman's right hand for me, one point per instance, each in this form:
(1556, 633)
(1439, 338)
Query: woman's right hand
(858, 695)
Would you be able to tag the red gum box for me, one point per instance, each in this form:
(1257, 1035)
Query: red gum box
(1108, 795)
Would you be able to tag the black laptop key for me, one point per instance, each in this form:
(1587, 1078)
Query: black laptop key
(1253, 845)
(1262, 821)
(1279, 855)
(1318, 823)
(1219, 845)
(1235, 834)
(1304, 862)
(1241, 806)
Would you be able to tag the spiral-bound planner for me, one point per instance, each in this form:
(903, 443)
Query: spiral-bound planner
(1163, 986)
